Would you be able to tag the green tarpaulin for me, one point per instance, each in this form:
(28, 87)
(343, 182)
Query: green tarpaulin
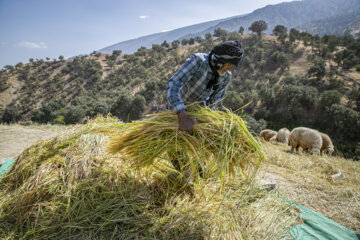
(6, 167)
(319, 227)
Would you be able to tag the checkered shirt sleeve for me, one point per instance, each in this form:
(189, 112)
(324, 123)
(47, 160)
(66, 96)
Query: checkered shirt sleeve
(177, 80)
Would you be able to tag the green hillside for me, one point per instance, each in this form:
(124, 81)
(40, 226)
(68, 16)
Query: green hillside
(286, 81)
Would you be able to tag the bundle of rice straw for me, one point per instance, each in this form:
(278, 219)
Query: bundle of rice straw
(68, 187)
(221, 141)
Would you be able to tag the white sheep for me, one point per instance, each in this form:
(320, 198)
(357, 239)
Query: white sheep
(267, 134)
(327, 145)
(282, 136)
(306, 138)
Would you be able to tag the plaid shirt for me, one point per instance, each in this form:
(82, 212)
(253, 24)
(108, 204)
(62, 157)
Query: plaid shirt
(189, 83)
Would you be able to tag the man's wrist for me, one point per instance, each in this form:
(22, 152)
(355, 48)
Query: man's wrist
(182, 114)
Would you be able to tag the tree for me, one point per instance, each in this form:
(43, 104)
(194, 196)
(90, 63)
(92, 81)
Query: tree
(354, 97)
(331, 41)
(175, 44)
(234, 36)
(127, 107)
(254, 125)
(350, 61)
(221, 33)
(142, 51)
(198, 39)
(279, 29)
(19, 65)
(294, 34)
(10, 115)
(279, 59)
(208, 43)
(184, 42)
(267, 96)
(318, 69)
(9, 68)
(74, 114)
(157, 47)
(272, 78)
(281, 32)
(241, 30)
(233, 100)
(208, 36)
(258, 27)
(328, 98)
(259, 54)
(116, 53)
(165, 44)
(338, 58)
(297, 99)
(343, 121)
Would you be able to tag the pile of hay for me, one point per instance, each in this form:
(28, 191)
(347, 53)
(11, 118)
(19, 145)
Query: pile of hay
(221, 142)
(69, 187)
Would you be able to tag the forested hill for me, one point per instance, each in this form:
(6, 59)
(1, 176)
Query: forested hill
(286, 81)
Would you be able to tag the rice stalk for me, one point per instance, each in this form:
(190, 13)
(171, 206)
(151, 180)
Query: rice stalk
(221, 140)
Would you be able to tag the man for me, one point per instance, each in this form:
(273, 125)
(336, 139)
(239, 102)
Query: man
(202, 78)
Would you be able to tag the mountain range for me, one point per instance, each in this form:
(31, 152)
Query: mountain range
(316, 16)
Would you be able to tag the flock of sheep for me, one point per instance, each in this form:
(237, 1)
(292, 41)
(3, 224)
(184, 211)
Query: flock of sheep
(310, 140)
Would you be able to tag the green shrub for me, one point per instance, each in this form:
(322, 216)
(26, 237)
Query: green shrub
(357, 67)
(128, 108)
(255, 125)
(328, 98)
(297, 100)
(279, 59)
(74, 114)
(10, 115)
(233, 100)
(343, 122)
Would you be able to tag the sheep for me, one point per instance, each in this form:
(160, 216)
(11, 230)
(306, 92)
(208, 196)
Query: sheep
(306, 138)
(327, 145)
(267, 134)
(282, 136)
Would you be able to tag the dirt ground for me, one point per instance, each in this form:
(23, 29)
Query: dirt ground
(15, 138)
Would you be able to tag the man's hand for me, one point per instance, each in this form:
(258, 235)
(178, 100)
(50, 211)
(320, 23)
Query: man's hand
(186, 122)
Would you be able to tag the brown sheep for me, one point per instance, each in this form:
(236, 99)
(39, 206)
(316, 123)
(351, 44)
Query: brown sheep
(267, 134)
(306, 138)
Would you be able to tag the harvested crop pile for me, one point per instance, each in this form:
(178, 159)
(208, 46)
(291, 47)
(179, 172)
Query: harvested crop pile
(221, 141)
(69, 187)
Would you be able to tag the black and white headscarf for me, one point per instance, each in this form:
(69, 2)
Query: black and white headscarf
(226, 52)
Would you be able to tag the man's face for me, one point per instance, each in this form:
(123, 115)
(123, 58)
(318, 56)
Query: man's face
(225, 68)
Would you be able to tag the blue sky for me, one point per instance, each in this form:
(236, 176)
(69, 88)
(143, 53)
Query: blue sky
(50, 28)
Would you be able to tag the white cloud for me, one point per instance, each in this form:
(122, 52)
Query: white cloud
(144, 17)
(166, 30)
(32, 45)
